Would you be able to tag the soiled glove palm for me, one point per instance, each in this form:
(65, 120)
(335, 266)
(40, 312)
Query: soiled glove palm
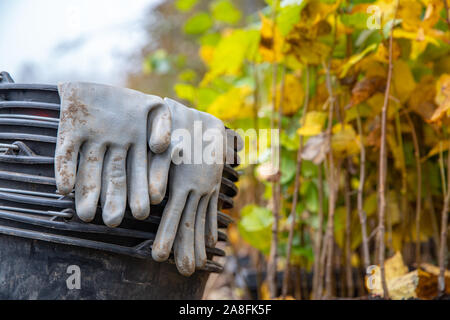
(108, 127)
(190, 215)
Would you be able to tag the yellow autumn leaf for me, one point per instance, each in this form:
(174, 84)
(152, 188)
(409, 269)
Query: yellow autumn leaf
(386, 9)
(409, 11)
(376, 104)
(372, 68)
(421, 100)
(414, 35)
(432, 13)
(293, 95)
(355, 59)
(206, 53)
(232, 104)
(442, 97)
(393, 208)
(314, 122)
(310, 51)
(370, 204)
(395, 267)
(397, 152)
(382, 53)
(402, 81)
(417, 47)
(441, 146)
(230, 54)
(271, 41)
(316, 10)
(344, 141)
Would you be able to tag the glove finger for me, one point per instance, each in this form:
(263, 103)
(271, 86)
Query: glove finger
(89, 179)
(114, 187)
(200, 250)
(139, 200)
(66, 155)
(160, 125)
(184, 242)
(168, 226)
(158, 175)
(211, 234)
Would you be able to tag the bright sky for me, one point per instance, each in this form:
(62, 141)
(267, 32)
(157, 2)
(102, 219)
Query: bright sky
(100, 36)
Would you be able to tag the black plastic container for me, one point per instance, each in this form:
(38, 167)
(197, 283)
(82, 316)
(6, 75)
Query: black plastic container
(41, 240)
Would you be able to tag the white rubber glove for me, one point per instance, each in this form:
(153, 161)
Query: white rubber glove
(108, 127)
(190, 216)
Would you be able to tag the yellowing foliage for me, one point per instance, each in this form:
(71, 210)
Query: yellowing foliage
(345, 141)
(442, 98)
(314, 122)
(292, 95)
(271, 43)
(232, 104)
(336, 54)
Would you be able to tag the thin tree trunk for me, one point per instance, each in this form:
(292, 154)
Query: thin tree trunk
(444, 228)
(318, 243)
(276, 199)
(419, 187)
(296, 191)
(383, 168)
(323, 261)
(273, 255)
(403, 191)
(434, 222)
(332, 186)
(442, 169)
(360, 203)
(348, 234)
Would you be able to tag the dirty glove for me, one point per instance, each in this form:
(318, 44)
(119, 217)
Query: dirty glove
(107, 126)
(190, 216)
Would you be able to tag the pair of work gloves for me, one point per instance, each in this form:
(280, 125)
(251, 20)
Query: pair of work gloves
(133, 146)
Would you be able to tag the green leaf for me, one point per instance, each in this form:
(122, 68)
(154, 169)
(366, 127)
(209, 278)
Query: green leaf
(288, 167)
(185, 5)
(205, 96)
(389, 25)
(288, 16)
(210, 39)
(357, 20)
(188, 75)
(311, 198)
(225, 11)
(255, 226)
(198, 24)
(290, 142)
(306, 252)
(231, 53)
(185, 91)
(309, 169)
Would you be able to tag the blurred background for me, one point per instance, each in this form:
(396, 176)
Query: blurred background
(139, 44)
(320, 71)
(50, 41)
